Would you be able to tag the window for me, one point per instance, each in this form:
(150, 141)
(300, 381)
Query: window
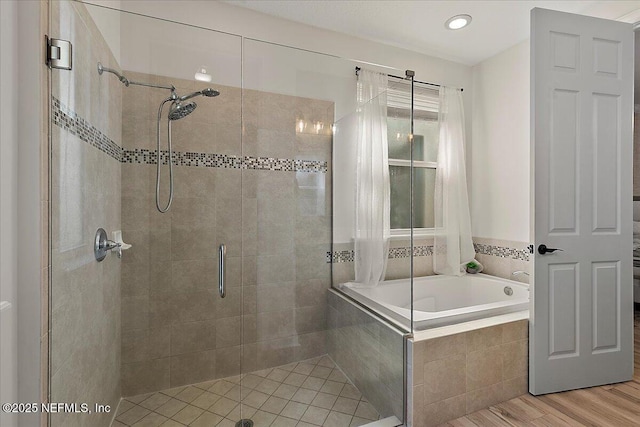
(425, 156)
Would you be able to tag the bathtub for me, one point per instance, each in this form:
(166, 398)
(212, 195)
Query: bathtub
(442, 300)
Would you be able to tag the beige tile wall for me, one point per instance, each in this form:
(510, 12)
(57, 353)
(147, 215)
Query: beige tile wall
(503, 266)
(369, 352)
(85, 295)
(276, 226)
(459, 374)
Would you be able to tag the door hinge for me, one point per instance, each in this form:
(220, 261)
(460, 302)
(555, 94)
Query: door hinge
(58, 53)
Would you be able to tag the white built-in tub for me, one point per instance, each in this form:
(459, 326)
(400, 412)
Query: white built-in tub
(442, 300)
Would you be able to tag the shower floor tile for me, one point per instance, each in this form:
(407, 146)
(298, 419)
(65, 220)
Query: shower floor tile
(313, 392)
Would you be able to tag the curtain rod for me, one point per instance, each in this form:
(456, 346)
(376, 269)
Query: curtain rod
(410, 74)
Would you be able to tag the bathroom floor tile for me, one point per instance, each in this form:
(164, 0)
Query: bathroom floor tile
(315, 415)
(223, 406)
(205, 400)
(207, 419)
(133, 415)
(304, 395)
(188, 414)
(153, 419)
(267, 386)
(313, 392)
(365, 410)
(337, 419)
(172, 407)
(345, 405)
(313, 383)
(189, 394)
(285, 391)
(332, 387)
(285, 422)
(221, 387)
(324, 400)
(155, 401)
(294, 410)
(124, 406)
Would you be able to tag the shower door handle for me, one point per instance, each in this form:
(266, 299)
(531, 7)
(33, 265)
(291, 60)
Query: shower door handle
(222, 250)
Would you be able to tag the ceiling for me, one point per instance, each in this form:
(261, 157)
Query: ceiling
(419, 25)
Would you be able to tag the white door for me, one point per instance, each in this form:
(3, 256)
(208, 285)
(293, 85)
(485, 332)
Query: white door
(581, 124)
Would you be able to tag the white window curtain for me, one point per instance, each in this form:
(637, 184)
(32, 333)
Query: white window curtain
(453, 246)
(372, 180)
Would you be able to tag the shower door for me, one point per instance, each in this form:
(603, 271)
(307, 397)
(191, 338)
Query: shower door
(149, 326)
(217, 312)
(288, 112)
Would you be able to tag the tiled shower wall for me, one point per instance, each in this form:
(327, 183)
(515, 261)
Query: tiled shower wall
(85, 195)
(265, 195)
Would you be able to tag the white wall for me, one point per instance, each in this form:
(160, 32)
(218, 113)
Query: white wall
(8, 208)
(500, 150)
(251, 24)
(108, 23)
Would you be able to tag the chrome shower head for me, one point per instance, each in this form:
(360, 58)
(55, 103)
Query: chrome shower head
(210, 92)
(178, 110)
(205, 92)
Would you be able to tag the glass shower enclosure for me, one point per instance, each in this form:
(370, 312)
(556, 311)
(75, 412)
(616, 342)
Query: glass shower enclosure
(216, 311)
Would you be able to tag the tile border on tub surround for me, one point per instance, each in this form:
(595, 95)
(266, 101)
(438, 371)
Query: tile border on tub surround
(68, 120)
(394, 253)
(501, 251)
(427, 250)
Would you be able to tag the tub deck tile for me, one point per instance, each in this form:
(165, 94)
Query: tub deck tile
(613, 405)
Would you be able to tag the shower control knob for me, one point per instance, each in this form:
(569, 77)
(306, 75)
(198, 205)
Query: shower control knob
(543, 249)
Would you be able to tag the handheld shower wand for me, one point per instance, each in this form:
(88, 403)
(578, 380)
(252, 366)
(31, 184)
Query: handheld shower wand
(177, 111)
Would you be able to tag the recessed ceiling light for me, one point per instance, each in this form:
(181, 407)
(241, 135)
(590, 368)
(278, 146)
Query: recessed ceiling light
(457, 22)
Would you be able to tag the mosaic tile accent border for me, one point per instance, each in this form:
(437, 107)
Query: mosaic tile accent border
(209, 160)
(428, 250)
(394, 253)
(68, 120)
(502, 251)
(341, 256)
(150, 157)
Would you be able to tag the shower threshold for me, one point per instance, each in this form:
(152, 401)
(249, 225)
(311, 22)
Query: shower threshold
(312, 392)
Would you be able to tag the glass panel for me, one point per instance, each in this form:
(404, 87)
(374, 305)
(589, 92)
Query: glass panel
(291, 101)
(424, 184)
(261, 184)
(425, 122)
(359, 342)
(426, 140)
(152, 320)
(398, 136)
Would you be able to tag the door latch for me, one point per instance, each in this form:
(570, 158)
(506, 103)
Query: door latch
(59, 53)
(543, 249)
